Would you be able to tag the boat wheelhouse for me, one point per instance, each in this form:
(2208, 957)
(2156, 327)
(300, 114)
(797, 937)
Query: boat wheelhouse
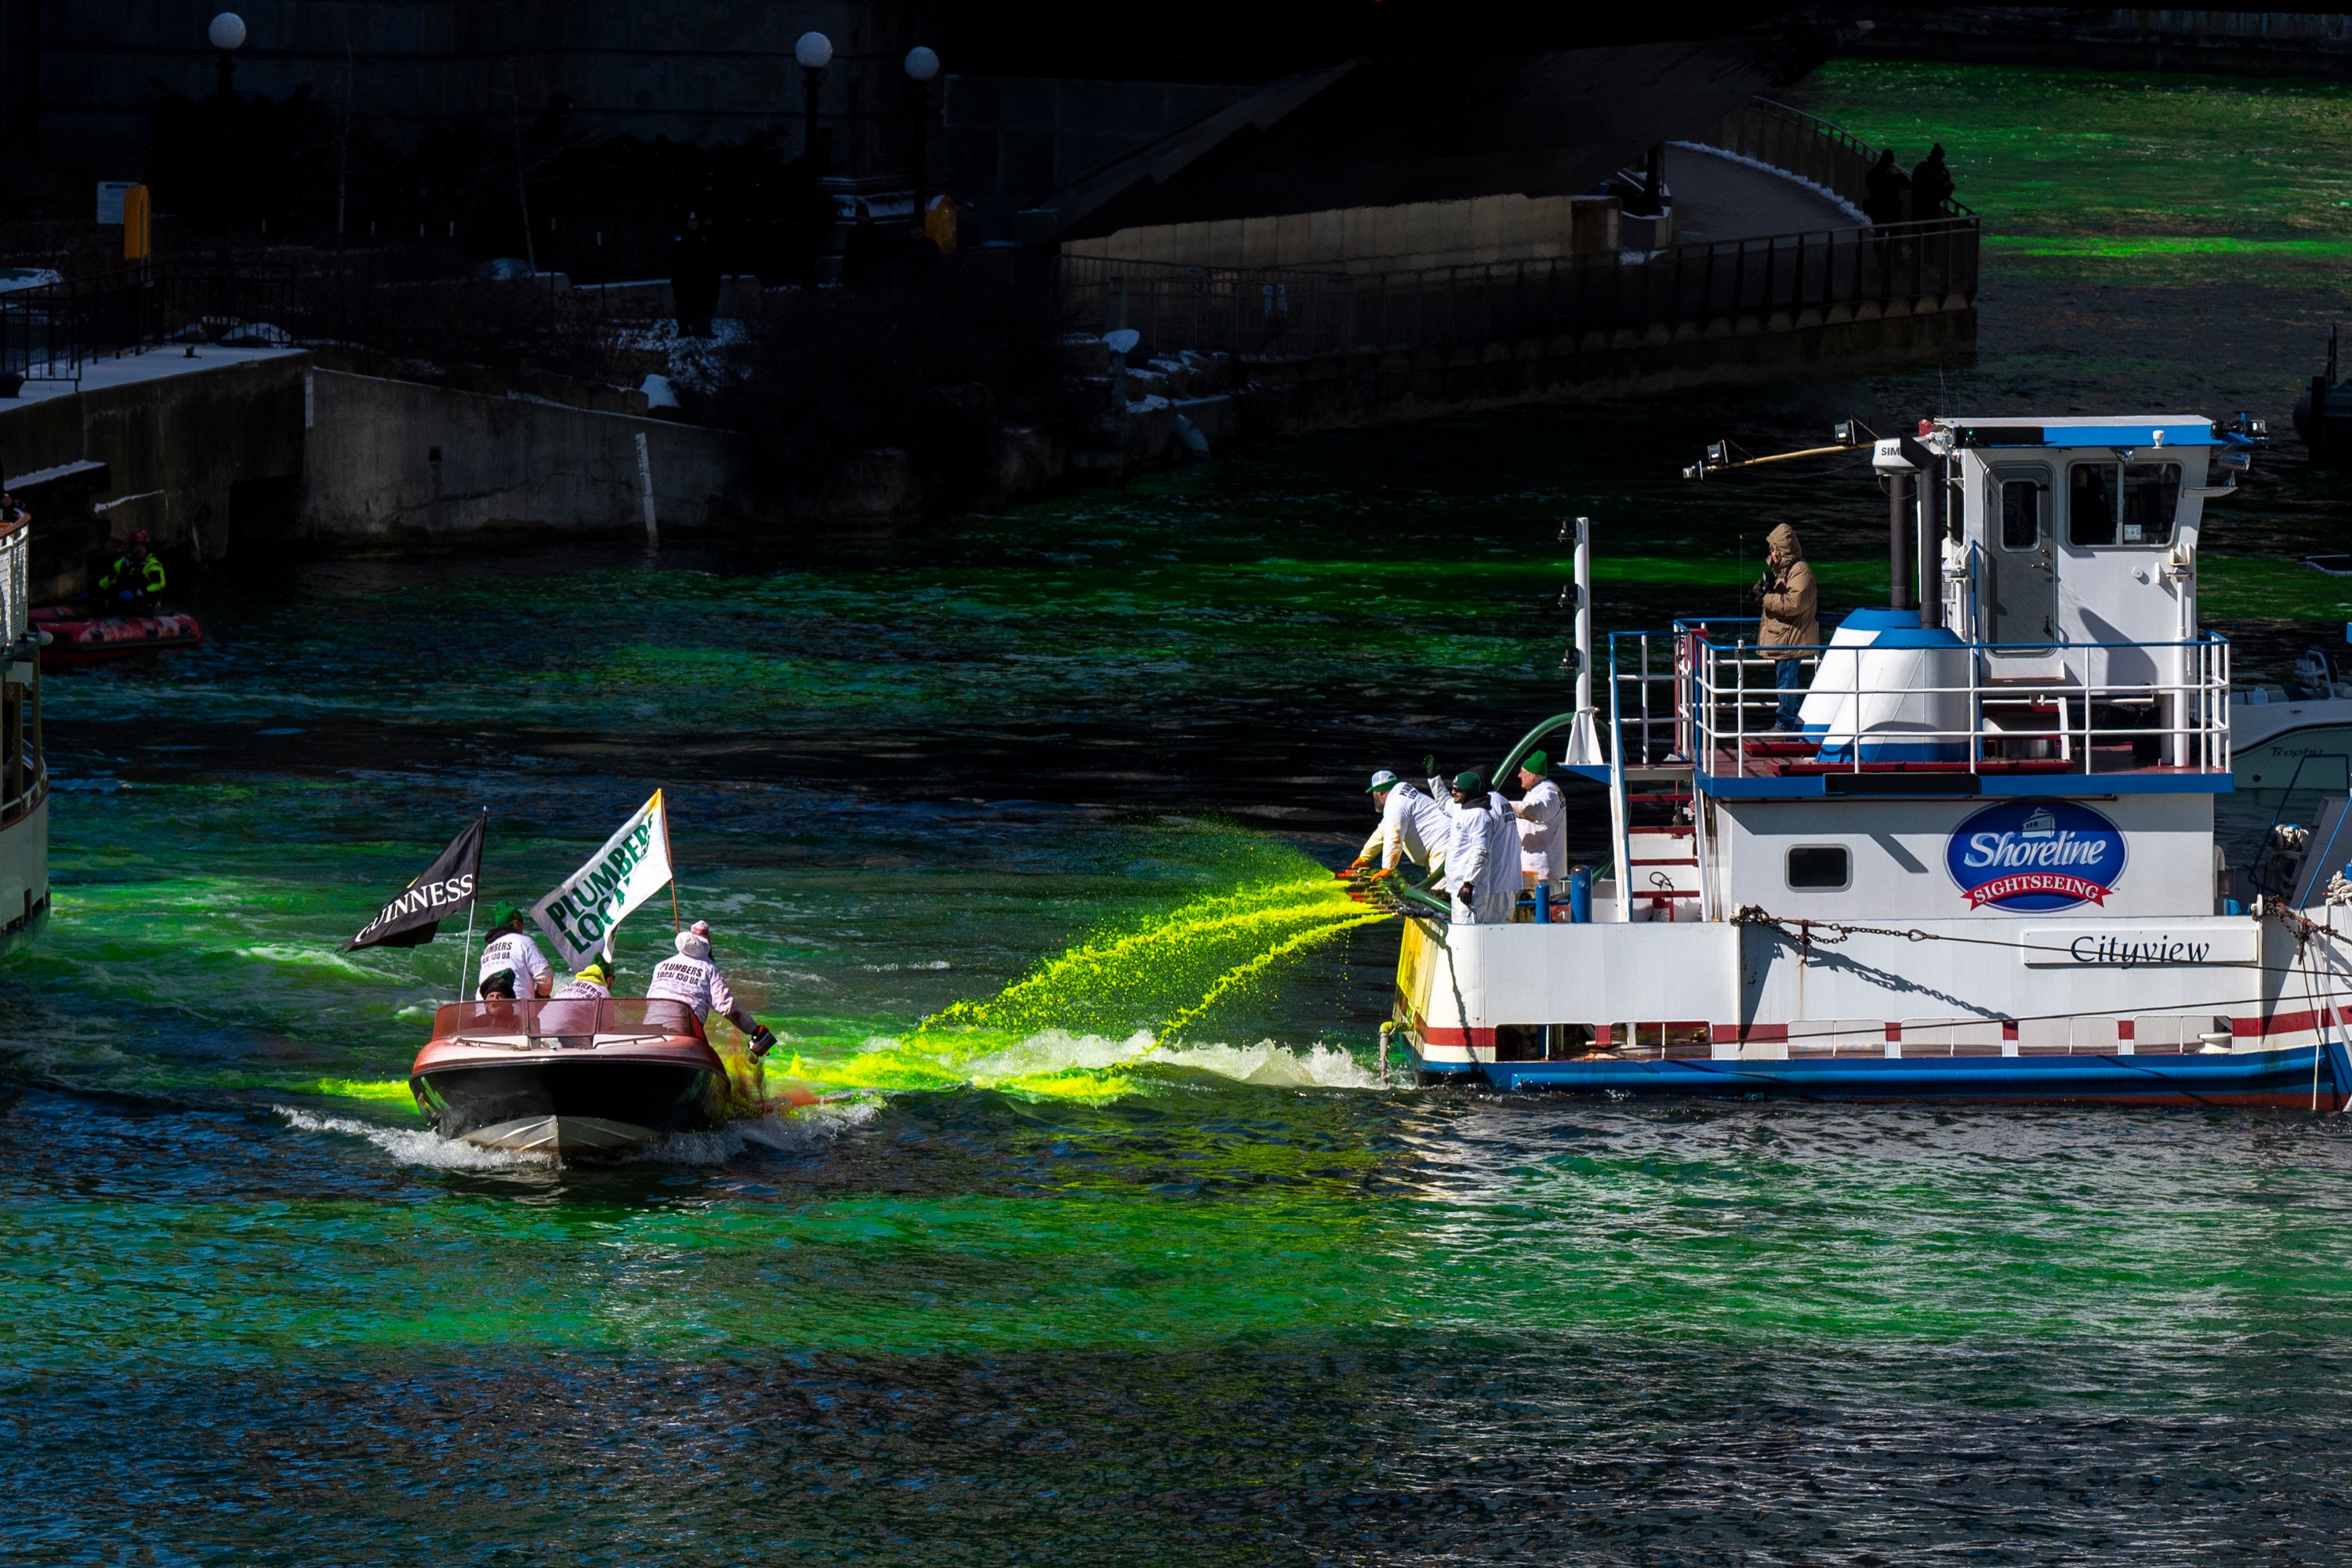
(1984, 863)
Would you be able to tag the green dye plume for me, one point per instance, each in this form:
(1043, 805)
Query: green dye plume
(1166, 975)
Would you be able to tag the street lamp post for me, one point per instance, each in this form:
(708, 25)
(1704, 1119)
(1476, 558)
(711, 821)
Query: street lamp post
(922, 65)
(227, 34)
(814, 52)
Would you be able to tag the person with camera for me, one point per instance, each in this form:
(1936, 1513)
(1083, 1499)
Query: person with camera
(1788, 597)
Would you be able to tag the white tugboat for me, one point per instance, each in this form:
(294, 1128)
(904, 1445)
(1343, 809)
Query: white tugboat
(1986, 868)
(24, 777)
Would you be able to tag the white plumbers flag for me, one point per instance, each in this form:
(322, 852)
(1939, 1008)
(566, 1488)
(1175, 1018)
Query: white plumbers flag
(579, 916)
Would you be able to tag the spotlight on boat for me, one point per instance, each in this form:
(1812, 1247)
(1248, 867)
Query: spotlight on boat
(1843, 432)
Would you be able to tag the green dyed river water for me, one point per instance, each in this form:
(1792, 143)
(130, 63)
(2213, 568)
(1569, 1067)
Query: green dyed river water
(1036, 1289)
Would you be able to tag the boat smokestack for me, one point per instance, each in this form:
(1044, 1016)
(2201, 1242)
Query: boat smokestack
(1933, 491)
(1898, 539)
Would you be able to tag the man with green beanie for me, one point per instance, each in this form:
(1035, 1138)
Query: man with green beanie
(506, 947)
(1542, 812)
(1482, 850)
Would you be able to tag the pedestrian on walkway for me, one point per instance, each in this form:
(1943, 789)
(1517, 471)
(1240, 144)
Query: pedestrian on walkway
(1931, 186)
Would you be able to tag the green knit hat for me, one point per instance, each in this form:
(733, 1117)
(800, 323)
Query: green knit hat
(502, 913)
(1535, 763)
(1471, 782)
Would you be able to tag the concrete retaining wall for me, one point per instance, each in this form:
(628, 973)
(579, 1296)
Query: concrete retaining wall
(398, 463)
(1363, 388)
(200, 453)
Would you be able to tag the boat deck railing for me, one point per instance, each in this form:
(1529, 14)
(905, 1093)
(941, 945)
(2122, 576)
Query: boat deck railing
(530, 1023)
(1704, 694)
(16, 565)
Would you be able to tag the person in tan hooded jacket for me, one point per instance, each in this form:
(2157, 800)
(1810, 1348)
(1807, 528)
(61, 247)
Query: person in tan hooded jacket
(1789, 599)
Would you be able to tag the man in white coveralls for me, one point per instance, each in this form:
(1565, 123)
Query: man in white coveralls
(1413, 827)
(1542, 812)
(507, 948)
(1482, 851)
(693, 979)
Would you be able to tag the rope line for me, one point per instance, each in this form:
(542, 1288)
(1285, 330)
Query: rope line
(1752, 915)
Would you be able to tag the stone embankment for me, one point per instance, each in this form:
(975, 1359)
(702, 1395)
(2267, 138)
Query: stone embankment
(2251, 43)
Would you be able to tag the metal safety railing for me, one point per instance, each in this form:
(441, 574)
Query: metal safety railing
(526, 1022)
(2082, 708)
(1279, 313)
(16, 569)
(1802, 144)
(50, 332)
(1646, 676)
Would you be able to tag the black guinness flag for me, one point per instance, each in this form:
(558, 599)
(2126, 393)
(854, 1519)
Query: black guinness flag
(444, 888)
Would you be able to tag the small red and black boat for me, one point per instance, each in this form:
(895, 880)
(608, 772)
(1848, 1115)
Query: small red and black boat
(81, 637)
(570, 1078)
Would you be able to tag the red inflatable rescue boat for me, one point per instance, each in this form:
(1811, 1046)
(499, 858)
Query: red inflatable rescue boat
(81, 637)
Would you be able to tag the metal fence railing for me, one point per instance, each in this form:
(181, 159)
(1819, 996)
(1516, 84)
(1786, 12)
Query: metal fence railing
(50, 332)
(1804, 145)
(2079, 708)
(1293, 313)
(15, 557)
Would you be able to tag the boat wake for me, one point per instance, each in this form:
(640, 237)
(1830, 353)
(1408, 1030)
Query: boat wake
(416, 1145)
(792, 1129)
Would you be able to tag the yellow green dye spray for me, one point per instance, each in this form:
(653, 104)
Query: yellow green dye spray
(1163, 978)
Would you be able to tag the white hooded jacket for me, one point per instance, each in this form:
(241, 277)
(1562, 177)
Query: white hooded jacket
(1413, 828)
(692, 978)
(1543, 831)
(1482, 849)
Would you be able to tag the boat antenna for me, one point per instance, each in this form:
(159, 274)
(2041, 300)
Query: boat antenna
(1724, 455)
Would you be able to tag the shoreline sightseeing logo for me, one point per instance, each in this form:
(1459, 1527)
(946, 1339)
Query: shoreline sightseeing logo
(2034, 857)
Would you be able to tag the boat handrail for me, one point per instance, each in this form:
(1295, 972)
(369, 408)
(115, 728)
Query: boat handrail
(15, 557)
(648, 1017)
(2096, 697)
(18, 806)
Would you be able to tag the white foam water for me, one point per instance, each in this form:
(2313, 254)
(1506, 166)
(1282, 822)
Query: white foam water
(795, 1131)
(1265, 1063)
(416, 1145)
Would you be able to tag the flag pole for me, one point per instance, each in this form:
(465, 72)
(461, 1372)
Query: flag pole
(465, 949)
(671, 861)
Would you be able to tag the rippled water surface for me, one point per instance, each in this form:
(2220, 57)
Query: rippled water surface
(1127, 1254)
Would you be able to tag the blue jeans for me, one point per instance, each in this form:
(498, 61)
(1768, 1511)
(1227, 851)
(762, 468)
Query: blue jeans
(1790, 679)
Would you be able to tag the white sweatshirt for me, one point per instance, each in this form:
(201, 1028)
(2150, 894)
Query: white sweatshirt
(1543, 831)
(695, 982)
(1413, 828)
(513, 950)
(1482, 849)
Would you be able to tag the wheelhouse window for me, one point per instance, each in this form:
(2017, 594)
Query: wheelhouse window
(2020, 514)
(2122, 503)
(1819, 866)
